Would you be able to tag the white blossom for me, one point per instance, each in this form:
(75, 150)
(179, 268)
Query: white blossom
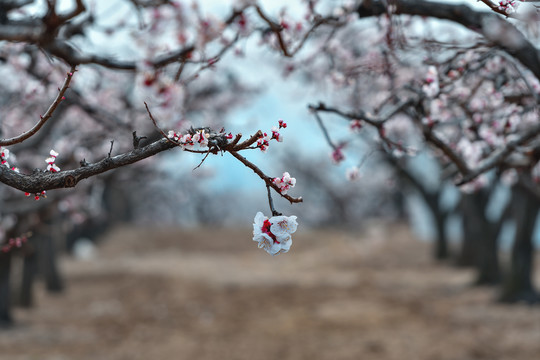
(274, 234)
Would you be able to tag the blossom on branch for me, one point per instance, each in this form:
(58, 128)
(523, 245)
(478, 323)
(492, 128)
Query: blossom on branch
(337, 155)
(431, 82)
(263, 142)
(285, 183)
(276, 135)
(201, 138)
(508, 6)
(4, 156)
(51, 166)
(274, 234)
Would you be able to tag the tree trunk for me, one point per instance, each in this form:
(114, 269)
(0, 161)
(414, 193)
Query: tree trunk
(49, 264)
(5, 295)
(441, 240)
(30, 268)
(480, 247)
(518, 284)
(469, 252)
(489, 272)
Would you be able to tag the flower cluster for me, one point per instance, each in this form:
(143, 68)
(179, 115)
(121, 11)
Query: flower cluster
(188, 141)
(274, 234)
(51, 166)
(37, 195)
(355, 125)
(337, 155)
(431, 82)
(14, 243)
(4, 156)
(264, 141)
(285, 183)
(508, 6)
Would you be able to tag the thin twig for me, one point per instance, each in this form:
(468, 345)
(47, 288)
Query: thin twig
(265, 178)
(325, 131)
(43, 119)
(271, 202)
(202, 161)
(110, 150)
(248, 142)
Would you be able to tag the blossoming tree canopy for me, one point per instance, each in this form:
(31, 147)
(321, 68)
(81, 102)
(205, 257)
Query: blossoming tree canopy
(82, 101)
(473, 104)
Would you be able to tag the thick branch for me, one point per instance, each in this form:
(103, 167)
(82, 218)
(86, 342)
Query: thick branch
(73, 57)
(491, 26)
(39, 181)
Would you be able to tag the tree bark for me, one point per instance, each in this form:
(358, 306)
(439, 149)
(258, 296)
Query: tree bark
(30, 268)
(480, 246)
(5, 294)
(518, 284)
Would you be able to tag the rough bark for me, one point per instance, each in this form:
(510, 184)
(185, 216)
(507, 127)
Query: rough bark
(518, 284)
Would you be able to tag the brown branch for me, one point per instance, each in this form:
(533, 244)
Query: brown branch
(321, 107)
(447, 150)
(276, 29)
(79, 9)
(43, 119)
(248, 142)
(266, 179)
(479, 21)
(325, 131)
(73, 57)
(42, 180)
(496, 9)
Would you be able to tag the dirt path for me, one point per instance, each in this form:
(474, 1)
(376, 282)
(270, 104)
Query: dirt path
(211, 294)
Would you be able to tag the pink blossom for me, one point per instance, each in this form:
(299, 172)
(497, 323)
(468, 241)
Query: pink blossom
(337, 155)
(263, 142)
(431, 82)
(285, 182)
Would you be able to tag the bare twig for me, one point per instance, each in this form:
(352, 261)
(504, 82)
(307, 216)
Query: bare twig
(325, 131)
(110, 149)
(265, 178)
(43, 119)
(271, 202)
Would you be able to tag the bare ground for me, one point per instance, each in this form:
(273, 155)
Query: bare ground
(211, 294)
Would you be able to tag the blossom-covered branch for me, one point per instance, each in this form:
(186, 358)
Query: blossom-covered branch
(494, 28)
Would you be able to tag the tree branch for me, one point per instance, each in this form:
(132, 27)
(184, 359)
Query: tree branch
(45, 117)
(41, 180)
(266, 179)
(499, 155)
(494, 28)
